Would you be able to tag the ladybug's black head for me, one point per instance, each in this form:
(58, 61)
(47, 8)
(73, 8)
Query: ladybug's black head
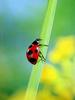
(36, 42)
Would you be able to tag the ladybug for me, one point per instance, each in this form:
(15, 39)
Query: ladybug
(33, 52)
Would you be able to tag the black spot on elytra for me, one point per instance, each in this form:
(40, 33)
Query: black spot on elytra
(29, 52)
(33, 60)
(30, 46)
(36, 51)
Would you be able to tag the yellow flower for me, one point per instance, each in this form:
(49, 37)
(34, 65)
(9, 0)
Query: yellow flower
(49, 74)
(64, 48)
(43, 95)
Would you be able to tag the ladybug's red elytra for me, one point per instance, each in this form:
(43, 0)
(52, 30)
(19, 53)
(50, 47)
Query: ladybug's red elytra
(33, 52)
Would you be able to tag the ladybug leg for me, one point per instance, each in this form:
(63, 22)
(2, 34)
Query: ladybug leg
(43, 45)
(42, 57)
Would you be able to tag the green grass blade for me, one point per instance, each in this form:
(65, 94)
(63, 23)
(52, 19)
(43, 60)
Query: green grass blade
(45, 36)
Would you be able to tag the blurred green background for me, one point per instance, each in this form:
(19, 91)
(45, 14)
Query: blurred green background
(20, 23)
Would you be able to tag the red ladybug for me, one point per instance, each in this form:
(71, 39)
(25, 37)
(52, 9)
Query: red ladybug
(33, 52)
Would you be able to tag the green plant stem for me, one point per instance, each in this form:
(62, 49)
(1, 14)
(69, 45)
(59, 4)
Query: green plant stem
(45, 36)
